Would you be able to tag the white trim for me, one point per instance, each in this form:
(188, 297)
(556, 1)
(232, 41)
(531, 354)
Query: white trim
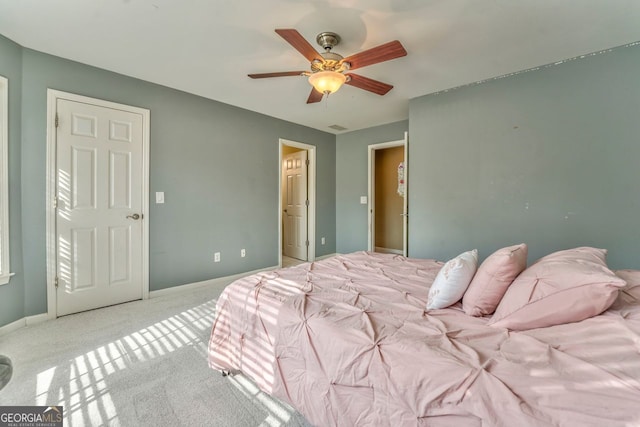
(405, 208)
(5, 264)
(52, 98)
(50, 211)
(211, 282)
(13, 326)
(371, 190)
(21, 323)
(311, 185)
(38, 318)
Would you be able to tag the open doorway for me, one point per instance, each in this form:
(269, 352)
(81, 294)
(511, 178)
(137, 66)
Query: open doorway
(297, 203)
(388, 197)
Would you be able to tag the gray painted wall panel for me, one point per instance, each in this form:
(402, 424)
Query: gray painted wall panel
(548, 158)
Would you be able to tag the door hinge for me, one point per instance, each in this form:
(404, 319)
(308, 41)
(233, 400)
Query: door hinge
(55, 282)
(57, 121)
(306, 202)
(307, 243)
(55, 202)
(307, 162)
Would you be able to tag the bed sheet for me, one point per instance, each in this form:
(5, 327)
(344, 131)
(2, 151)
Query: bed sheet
(347, 342)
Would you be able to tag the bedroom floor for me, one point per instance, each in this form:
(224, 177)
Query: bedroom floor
(290, 262)
(139, 363)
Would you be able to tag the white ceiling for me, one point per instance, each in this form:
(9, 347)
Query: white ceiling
(207, 47)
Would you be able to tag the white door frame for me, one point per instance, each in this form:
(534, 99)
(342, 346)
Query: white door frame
(311, 195)
(52, 255)
(372, 190)
(5, 265)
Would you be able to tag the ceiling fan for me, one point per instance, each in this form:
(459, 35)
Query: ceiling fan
(329, 70)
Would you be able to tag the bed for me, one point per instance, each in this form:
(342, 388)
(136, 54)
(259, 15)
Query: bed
(347, 341)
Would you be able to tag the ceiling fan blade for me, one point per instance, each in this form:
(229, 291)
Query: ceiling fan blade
(384, 52)
(295, 39)
(366, 83)
(314, 96)
(280, 74)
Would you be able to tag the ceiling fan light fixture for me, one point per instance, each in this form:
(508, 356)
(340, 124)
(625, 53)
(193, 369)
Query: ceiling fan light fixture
(329, 70)
(327, 82)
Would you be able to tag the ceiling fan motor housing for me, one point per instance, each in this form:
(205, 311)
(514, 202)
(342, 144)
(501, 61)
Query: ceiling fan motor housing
(327, 40)
(332, 62)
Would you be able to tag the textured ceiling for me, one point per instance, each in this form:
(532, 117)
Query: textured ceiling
(208, 47)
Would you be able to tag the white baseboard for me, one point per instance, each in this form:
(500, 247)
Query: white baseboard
(21, 323)
(13, 326)
(217, 281)
(38, 318)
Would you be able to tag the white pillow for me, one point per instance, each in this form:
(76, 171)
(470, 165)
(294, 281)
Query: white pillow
(453, 280)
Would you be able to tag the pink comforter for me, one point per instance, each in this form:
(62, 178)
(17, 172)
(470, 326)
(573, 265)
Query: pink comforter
(347, 342)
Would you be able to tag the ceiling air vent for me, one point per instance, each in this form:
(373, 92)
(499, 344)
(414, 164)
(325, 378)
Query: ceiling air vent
(337, 127)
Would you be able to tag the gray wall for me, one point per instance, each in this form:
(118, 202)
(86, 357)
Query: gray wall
(549, 158)
(217, 164)
(12, 294)
(351, 174)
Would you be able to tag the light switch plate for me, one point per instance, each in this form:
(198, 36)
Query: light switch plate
(159, 196)
(363, 200)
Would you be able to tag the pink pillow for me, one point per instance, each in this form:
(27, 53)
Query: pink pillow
(493, 278)
(563, 287)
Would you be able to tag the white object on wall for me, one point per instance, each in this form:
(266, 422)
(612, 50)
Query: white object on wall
(401, 179)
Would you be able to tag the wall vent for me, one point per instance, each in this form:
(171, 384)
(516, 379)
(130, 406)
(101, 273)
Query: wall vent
(337, 127)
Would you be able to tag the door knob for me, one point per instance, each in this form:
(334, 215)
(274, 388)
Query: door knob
(134, 216)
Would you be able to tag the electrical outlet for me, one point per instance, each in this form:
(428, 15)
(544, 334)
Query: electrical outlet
(322, 240)
(216, 257)
(243, 253)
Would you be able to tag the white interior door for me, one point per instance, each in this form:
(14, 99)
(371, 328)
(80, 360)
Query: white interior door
(99, 190)
(294, 170)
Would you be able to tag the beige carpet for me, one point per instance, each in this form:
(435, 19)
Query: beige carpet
(142, 363)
